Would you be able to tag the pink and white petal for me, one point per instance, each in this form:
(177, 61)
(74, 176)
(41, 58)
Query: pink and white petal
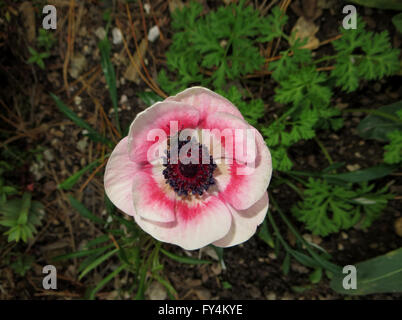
(118, 178)
(235, 135)
(206, 101)
(156, 123)
(222, 176)
(245, 223)
(153, 198)
(198, 223)
(248, 182)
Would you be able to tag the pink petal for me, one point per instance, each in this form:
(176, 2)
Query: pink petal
(118, 178)
(153, 198)
(198, 223)
(244, 223)
(158, 116)
(232, 134)
(243, 190)
(206, 101)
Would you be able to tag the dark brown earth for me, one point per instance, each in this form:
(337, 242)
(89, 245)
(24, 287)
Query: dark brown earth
(252, 269)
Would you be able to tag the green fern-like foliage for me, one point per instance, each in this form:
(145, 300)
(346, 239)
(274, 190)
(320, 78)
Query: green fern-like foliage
(328, 208)
(251, 109)
(21, 216)
(223, 44)
(393, 150)
(363, 54)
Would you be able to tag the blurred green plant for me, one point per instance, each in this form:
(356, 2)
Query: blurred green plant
(385, 125)
(45, 41)
(133, 251)
(328, 208)
(382, 274)
(22, 264)
(228, 42)
(21, 216)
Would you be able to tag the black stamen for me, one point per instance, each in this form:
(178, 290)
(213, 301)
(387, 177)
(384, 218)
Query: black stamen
(189, 178)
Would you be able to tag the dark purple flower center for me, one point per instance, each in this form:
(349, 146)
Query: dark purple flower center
(192, 175)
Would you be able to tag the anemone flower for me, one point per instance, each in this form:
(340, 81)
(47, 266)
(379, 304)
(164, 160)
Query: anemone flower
(183, 175)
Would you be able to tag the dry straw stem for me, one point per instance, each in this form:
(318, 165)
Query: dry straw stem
(153, 85)
(91, 176)
(155, 89)
(70, 44)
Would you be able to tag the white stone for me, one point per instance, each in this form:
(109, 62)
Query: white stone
(153, 33)
(117, 36)
(147, 8)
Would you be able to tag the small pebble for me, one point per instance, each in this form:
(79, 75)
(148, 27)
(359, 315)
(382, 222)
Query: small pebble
(272, 256)
(48, 154)
(398, 226)
(100, 33)
(153, 33)
(271, 296)
(77, 100)
(117, 36)
(147, 8)
(353, 167)
(123, 99)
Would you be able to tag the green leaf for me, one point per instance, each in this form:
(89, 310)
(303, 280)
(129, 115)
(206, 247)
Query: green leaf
(363, 54)
(98, 240)
(166, 284)
(97, 262)
(25, 206)
(271, 27)
(265, 235)
(290, 64)
(84, 211)
(182, 259)
(110, 208)
(382, 274)
(363, 175)
(306, 87)
(141, 285)
(108, 71)
(397, 21)
(378, 126)
(315, 276)
(105, 280)
(149, 97)
(73, 179)
(304, 259)
(328, 208)
(393, 151)
(223, 40)
(82, 253)
(252, 110)
(286, 264)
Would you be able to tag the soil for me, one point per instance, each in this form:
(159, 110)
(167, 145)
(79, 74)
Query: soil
(253, 271)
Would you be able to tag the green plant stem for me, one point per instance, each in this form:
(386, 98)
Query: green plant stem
(375, 112)
(291, 185)
(324, 263)
(324, 150)
(325, 58)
